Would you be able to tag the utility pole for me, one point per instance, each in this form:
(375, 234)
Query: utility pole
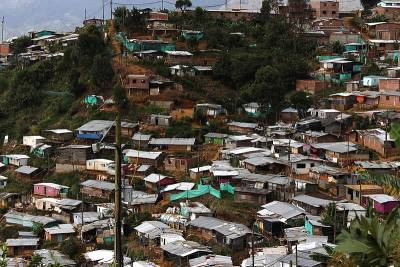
(118, 259)
(334, 224)
(85, 14)
(103, 13)
(162, 5)
(252, 245)
(111, 8)
(386, 133)
(2, 30)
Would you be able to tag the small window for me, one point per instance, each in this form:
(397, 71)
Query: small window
(324, 12)
(301, 165)
(357, 194)
(312, 165)
(333, 12)
(387, 98)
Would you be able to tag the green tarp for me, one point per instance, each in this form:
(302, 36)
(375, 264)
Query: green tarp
(193, 35)
(91, 100)
(136, 46)
(200, 191)
(227, 187)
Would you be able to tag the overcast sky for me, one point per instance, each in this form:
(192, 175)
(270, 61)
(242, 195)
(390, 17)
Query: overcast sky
(22, 16)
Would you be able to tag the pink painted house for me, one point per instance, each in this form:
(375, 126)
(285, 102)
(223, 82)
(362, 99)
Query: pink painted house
(382, 203)
(50, 190)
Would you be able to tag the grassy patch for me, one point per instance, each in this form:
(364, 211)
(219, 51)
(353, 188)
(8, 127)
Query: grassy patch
(395, 133)
(71, 179)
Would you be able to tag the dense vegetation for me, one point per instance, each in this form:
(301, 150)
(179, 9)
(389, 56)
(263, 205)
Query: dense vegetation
(46, 93)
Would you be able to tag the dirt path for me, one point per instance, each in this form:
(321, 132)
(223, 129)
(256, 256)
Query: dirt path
(126, 66)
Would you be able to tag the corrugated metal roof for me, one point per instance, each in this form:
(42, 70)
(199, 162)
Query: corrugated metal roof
(60, 229)
(216, 135)
(183, 186)
(154, 178)
(141, 137)
(243, 124)
(211, 260)
(313, 201)
(184, 248)
(281, 211)
(229, 229)
(142, 154)
(173, 141)
(50, 257)
(381, 198)
(52, 185)
(99, 184)
(26, 170)
(96, 126)
(22, 242)
(338, 147)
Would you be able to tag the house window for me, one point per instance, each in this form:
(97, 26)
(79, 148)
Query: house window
(387, 98)
(350, 193)
(312, 165)
(301, 166)
(357, 194)
(324, 12)
(333, 12)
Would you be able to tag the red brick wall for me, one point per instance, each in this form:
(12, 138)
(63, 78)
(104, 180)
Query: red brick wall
(325, 9)
(4, 49)
(158, 16)
(389, 101)
(390, 13)
(310, 86)
(387, 85)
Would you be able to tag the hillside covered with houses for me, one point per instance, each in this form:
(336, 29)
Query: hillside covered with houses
(263, 134)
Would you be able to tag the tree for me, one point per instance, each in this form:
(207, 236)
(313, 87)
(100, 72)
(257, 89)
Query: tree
(337, 47)
(38, 229)
(268, 86)
(120, 98)
(3, 257)
(371, 241)
(390, 183)
(71, 247)
(302, 102)
(183, 4)
(102, 72)
(76, 86)
(91, 42)
(133, 20)
(36, 261)
(20, 44)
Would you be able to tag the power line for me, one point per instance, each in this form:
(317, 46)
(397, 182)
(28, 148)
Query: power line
(138, 4)
(98, 11)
